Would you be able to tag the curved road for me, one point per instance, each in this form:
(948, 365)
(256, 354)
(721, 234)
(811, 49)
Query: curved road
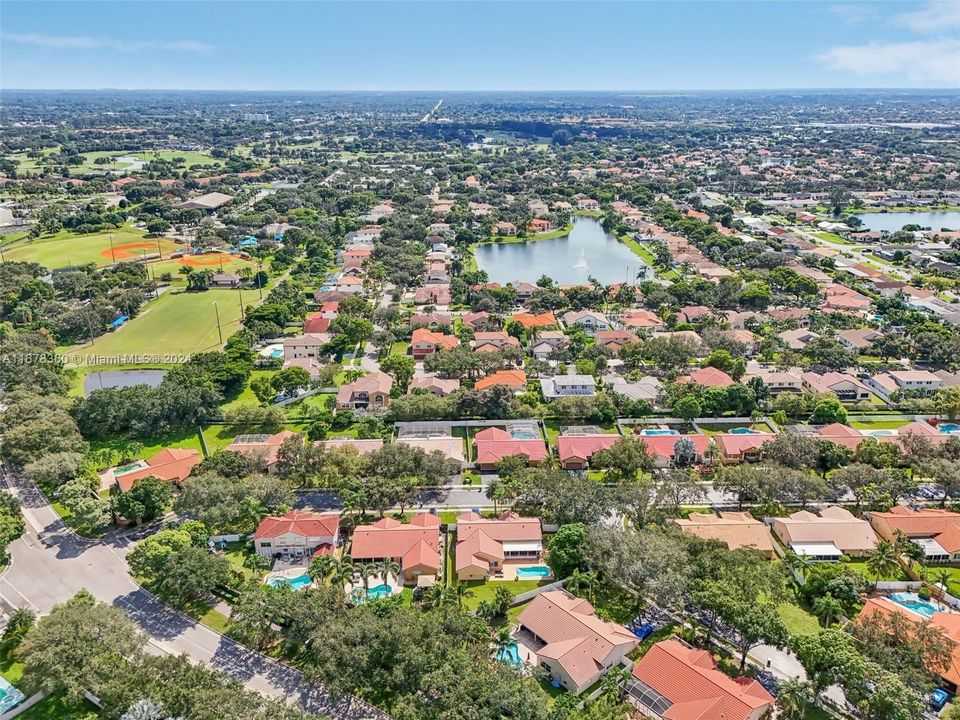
(50, 563)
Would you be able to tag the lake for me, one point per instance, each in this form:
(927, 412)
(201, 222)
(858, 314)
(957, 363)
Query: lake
(893, 221)
(121, 378)
(586, 252)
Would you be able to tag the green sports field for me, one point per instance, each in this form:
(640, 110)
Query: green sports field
(216, 262)
(167, 330)
(189, 157)
(64, 248)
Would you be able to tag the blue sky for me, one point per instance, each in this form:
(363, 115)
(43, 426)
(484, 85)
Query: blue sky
(458, 44)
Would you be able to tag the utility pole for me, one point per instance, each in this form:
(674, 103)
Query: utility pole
(159, 252)
(242, 314)
(112, 254)
(219, 331)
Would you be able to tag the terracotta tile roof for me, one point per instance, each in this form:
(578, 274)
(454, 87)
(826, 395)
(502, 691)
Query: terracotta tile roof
(529, 320)
(316, 323)
(834, 524)
(268, 450)
(736, 529)
(734, 445)
(575, 637)
(688, 678)
(305, 524)
(428, 337)
(941, 525)
(516, 379)
(415, 543)
(707, 377)
(664, 445)
(572, 447)
(372, 382)
(493, 447)
(620, 337)
(170, 464)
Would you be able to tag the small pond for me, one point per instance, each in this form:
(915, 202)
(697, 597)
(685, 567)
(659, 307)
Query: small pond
(893, 221)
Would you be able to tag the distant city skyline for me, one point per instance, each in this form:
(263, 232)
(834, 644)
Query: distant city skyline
(476, 46)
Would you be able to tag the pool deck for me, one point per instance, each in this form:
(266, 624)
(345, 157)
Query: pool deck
(287, 574)
(510, 570)
(373, 581)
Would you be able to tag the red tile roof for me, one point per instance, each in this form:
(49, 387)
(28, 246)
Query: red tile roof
(316, 323)
(516, 379)
(305, 524)
(415, 543)
(171, 464)
(708, 377)
(583, 447)
(664, 445)
(688, 678)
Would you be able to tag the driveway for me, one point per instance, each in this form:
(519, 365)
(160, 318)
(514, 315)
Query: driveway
(50, 563)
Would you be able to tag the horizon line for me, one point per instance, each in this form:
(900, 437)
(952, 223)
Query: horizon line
(494, 90)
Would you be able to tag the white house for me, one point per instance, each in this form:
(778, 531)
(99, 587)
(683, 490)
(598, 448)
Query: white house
(297, 533)
(568, 386)
(899, 381)
(589, 320)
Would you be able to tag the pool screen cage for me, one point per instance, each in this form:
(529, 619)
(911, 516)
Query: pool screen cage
(523, 429)
(251, 439)
(580, 430)
(423, 431)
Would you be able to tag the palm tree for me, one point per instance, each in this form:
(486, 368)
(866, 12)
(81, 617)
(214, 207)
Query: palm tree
(799, 563)
(585, 582)
(503, 641)
(388, 567)
(883, 561)
(794, 698)
(434, 597)
(365, 570)
(827, 608)
(458, 592)
(320, 567)
(942, 579)
(342, 571)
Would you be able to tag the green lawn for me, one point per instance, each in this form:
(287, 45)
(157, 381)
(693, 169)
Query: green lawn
(831, 237)
(798, 620)
(485, 590)
(167, 330)
(953, 587)
(65, 248)
(861, 567)
(183, 439)
(714, 428)
(509, 239)
(638, 249)
(400, 348)
(878, 424)
(57, 707)
(246, 396)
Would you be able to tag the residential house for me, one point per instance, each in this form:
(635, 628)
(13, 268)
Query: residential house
(515, 380)
(589, 320)
(371, 391)
(859, 339)
(737, 448)
(348, 284)
(696, 344)
(560, 386)
(568, 640)
(779, 382)
(449, 446)
(798, 338)
(692, 313)
(663, 449)
(494, 444)
(903, 381)
(646, 388)
(674, 681)
(476, 320)
(707, 377)
(299, 533)
(523, 289)
(539, 225)
(363, 447)
(414, 545)
(502, 229)
(586, 203)
(303, 346)
(575, 451)
(434, 319)
(936, 530)
(489, 547)
(546, 342)
(209, 202)
(734, 529)
(170, 465)
(749, 340)
(262, 450)
(426, 342)
(531, 320)
(842, 298)
(827, 536)
(538, 208)
(316, 324)
(846, 387)
(492, 341)
(440, 387)
(642, 320)
(432, 295)
(743, 320)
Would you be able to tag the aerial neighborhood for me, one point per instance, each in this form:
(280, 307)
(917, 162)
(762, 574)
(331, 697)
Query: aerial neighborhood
(551, 411)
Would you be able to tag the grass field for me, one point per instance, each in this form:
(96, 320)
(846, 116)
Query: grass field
(65, 248)
(798, 620)
(167, 330)
(89, 165)
(878, 424)
(218, 262)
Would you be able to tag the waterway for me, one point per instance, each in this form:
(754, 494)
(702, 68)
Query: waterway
(893, 221)
(587, 252)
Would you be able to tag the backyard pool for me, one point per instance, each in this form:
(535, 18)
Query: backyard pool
(378, 591)
(659, 431)
(534, 571)
(296, 583)
(744, 431)
(912, 601)
(510, 654)
(10, 696)
(950, 428)
(880, 433)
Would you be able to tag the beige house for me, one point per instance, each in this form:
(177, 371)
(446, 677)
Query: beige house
(827, 536)
(297, 533)
(734, 529)
(496, 547)
(567, 640)
(369, 391)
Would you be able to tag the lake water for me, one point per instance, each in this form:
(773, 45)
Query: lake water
(121, 378)
(893, 221)
(586, 252)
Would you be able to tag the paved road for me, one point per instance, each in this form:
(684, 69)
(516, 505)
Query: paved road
(50, 563)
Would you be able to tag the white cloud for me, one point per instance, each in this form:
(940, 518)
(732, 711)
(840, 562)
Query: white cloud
(921, 62)
(934, 18)
(80, 42)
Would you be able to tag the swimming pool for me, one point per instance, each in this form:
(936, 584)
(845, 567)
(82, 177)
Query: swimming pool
(744, 431)
(510, 654)
(523, 435)
(912, 601)
(950, 428)
(880, 433)
(296, 583)
(276, 353)
(378, 591)
(9, 696)
(659, 431)
(534, 571)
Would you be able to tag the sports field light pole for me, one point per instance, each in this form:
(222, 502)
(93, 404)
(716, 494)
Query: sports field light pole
(112, 255)
(159, 252)
(217, 311)
(242, 314)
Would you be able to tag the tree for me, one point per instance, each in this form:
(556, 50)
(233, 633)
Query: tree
(947, 474)
(19, 624)
(947, 402)
(793, 451)
(583, 583)
(882, 561)
(565, 550)
(290, 380)
(794, 698)
(828, 410)
(401, 368)
(799, 563)
(687, 408)
(827, 609)
(252, 618)
(623, 459)
(755, 623)
(147, 500)
(457, 592)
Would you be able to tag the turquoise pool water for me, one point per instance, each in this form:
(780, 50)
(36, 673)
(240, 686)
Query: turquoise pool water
(744, 431)
(510, 654)
(276, 353)
(297, 583)
(950, 428)
(9, 696)
(660, 431)
(378, 591)
(912, 601)
(534, 571)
